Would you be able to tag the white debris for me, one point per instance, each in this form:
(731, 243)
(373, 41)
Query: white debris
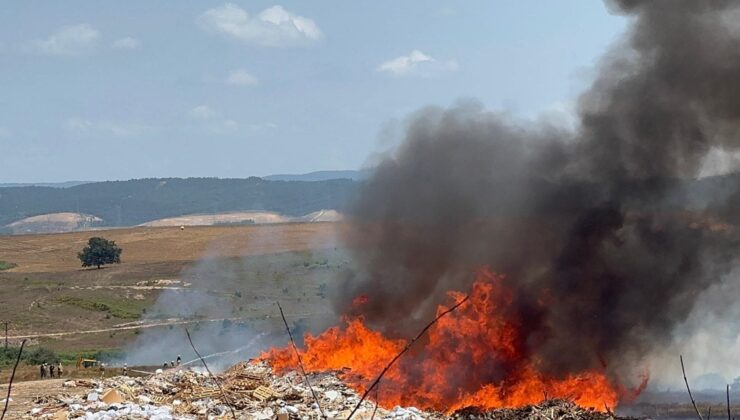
(331, 395)
(252, 389)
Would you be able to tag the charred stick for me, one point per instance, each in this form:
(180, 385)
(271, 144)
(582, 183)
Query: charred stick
(691, 397)
(729, 416)
(300, 361)
(405, 349)
(609, 411)
(377, 401)
(218, 384)
(12, 376)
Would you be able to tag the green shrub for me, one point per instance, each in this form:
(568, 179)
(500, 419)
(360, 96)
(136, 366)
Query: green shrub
(4, 265)
(41, 355)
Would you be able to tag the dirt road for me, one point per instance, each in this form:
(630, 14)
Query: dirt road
(25, 393)
(142, 325)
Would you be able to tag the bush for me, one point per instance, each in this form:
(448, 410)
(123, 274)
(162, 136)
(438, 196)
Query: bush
(41, 355)
(4, 265)
(8, 356)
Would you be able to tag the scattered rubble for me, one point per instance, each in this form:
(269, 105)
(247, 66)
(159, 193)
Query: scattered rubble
(255, 393)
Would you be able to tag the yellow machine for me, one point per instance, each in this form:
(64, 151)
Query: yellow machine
(86, 363)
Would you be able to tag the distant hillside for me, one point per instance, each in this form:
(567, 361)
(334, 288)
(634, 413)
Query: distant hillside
(321, 176)
(65, 184)
(53, 223)
(244, 218)
(128, 203)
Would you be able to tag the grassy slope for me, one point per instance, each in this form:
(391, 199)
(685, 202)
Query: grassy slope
(49, 292)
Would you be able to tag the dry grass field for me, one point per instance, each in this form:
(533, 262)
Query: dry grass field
(147, 245)
(49, 299)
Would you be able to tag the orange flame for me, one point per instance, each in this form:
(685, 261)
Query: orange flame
(474, 356)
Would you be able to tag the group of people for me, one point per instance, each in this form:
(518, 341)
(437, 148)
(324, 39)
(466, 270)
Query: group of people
(172, 363)
(51, 370)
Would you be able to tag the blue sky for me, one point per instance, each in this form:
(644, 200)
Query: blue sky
(94, 90)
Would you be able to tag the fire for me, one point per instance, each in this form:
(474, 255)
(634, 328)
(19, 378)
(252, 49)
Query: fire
(474, 356)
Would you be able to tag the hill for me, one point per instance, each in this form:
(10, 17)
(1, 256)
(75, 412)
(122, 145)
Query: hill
(244, 218)
(129, 203)
(65, 184)
(320, 176)
(52, 223)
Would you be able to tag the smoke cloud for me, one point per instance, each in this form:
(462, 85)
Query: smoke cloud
(595, 218)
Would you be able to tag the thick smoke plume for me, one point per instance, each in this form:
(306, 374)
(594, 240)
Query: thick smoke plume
(590, 221)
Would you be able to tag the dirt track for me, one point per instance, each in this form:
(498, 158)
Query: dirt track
(25, 393)
(137, 326)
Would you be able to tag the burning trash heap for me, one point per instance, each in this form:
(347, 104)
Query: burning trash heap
(253, 391)
(341, 363)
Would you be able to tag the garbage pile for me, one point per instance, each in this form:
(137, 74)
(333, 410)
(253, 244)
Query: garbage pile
(253, 392)
(251, 389)
(554, 409)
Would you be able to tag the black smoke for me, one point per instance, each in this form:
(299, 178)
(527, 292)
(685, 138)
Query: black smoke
(593, 216)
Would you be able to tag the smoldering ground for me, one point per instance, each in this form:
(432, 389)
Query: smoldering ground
(597, 218)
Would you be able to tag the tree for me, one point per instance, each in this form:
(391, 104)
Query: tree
(100, 251)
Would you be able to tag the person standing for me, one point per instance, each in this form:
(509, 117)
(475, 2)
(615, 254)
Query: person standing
(125, 369)
(43, 371)
(59, 370)
(51, 370)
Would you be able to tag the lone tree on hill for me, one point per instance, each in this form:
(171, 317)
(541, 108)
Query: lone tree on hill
(100, 251)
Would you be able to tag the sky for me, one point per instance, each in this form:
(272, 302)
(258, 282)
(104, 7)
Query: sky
(94, 90)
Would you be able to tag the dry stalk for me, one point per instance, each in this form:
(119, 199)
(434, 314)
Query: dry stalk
(691, 397)
(729, 416)
(377, 401)
(405, 349)
(12, 376)
(300, 361)
(218, 384)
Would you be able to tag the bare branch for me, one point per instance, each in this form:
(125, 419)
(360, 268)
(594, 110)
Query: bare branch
(218, 384)
(377, 401)
(689, 389)
(729, 416)
(300, 361)
(405, 349)
(12, 376)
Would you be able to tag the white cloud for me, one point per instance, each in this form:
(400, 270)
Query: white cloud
(417, 63)
(126, 43)
(273, 27)
(241, 77)
(224, 127)
(73, 40)
(202, 112)
(116, 129)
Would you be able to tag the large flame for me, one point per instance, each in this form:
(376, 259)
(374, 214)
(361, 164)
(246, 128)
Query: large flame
(474, 356)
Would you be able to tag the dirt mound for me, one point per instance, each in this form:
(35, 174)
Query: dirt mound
(244, 218)
(54, 223)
